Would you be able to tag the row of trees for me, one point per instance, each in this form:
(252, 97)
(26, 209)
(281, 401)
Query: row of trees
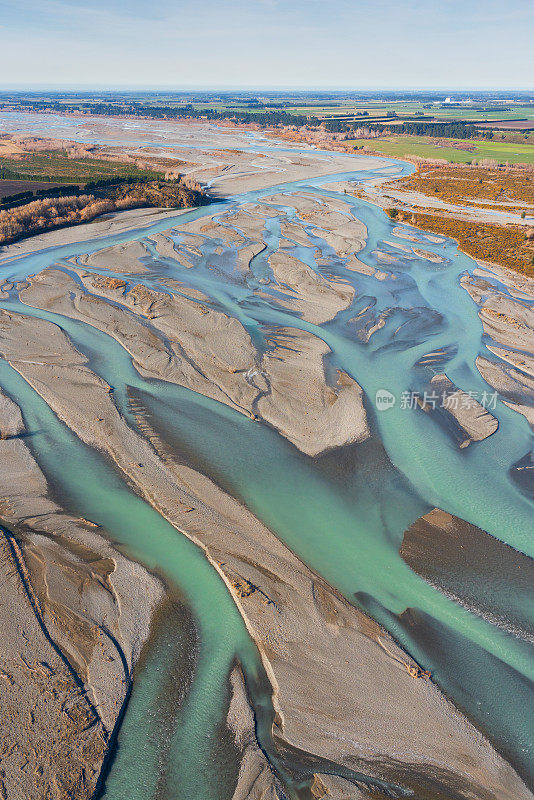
(442, 130)
(267, 118)
(19, 199)
(449, 130)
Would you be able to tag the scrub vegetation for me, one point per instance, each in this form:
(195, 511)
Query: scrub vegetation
(51, 213)
(45, 185)
(511, 246)
(483, 187)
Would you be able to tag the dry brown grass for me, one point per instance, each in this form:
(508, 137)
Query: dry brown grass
(9, 147)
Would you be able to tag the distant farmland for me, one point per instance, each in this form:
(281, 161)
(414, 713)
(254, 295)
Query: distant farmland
(403, 146)
(509, 125)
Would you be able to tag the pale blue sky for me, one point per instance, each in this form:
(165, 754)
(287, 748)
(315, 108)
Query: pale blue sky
(309, 43)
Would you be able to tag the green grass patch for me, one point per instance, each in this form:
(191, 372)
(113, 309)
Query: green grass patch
(424, 146)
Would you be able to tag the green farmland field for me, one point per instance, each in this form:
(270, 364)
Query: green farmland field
(401, 146)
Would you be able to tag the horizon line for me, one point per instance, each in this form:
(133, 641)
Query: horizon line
(257, 87)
